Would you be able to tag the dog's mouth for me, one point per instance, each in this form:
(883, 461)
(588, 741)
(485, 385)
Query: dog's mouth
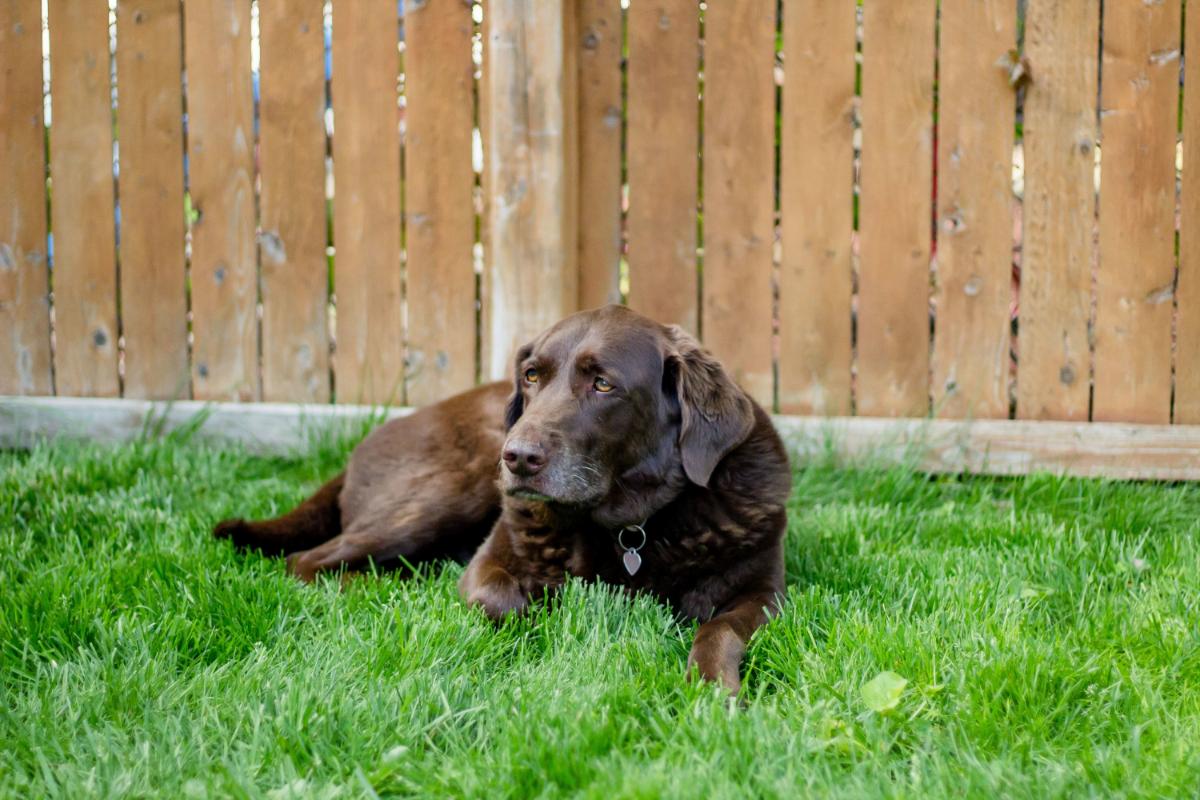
(525, 493)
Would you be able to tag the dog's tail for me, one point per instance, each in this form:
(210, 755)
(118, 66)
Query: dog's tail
(316, 520)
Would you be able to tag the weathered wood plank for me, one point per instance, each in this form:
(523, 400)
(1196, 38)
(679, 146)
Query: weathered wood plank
(895, 208)
(663, 143)
(1187, 330)
(369, 361)
(598, 45)
(81, 166)
(532, 260)
(1002, 447)
(816, 207)
(224, 271)
(24, 277)
(1058, 213)
(739, 179)
(150, 116)
(1138, 117)
(976, 109)
(438, 200)
(295, 292)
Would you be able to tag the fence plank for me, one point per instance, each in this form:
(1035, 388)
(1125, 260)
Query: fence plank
(739, 173)
(895, 208)
(816, 207)
(976, 110)
(1134, 306)
(369, 364)
(224, 273)
(1058, 213)
(295, 277)
(24, 277)
(1187, 332)
(533, 279)
(85, 272)
(599, 49)
(439, 77)
(153, 294)
(663, 140)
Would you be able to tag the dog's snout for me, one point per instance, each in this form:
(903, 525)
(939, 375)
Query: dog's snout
(524, 458)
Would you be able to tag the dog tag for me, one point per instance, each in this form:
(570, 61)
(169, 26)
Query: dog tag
(633, 561)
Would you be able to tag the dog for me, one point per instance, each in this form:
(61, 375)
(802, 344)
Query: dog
(621, 451)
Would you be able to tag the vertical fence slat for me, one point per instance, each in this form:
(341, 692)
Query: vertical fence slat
(1058, 213)
(295, 280)
(1139, 96)
(739, 180)
(816, 207)
(224, 273)
(81, 166)
(24, 277)
(976, 109)
(1187, 334)
(150, 115)
(599, 56)
(663, 140)
(439, 210)
(366, 207)
(533, 280)
(895, 208)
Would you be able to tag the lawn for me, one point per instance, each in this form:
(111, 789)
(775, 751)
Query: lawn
(1044, 636)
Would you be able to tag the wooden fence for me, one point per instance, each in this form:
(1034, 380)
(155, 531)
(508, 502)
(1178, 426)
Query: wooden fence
(887, 209)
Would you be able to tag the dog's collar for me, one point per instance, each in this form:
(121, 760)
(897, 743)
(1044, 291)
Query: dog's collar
(631, 558)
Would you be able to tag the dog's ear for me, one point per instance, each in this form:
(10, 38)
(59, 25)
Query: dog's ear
(715, 414)
(516, 401)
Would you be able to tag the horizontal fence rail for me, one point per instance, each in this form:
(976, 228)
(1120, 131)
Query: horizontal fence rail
(910, 208)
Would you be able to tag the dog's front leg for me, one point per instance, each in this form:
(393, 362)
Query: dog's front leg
(489, 584)
(721, 641)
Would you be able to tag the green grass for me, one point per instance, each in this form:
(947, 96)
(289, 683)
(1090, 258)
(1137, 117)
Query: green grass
(1047, 630)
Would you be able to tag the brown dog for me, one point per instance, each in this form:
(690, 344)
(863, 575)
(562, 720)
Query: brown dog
(628, 455)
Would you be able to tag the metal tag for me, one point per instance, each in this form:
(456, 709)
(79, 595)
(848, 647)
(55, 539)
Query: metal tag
(633, 561)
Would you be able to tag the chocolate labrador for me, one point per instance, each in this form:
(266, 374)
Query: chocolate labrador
(621, 452)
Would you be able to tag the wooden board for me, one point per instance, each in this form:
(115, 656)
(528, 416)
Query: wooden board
(295, 278)
(999, 447)
(150, 120)
(663, 140)
(224, 269)
(369, 360)
(1187, 332)
(739, 173)
(598, 47)
(24, 277)
(439, 81)
(816, 207)
(1058, 213)
(82, 220)
(976, 109)
(532, 260)
(895, 208)
(1138, 118)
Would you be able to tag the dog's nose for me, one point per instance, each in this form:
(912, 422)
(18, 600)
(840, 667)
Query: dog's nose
(524, 458)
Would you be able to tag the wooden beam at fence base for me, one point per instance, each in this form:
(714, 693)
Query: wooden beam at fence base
(533, 280)
(993, 447)
(24, 276)
(1059, 211)
(1135, 288)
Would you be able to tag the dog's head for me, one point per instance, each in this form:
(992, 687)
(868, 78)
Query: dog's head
(612, 413)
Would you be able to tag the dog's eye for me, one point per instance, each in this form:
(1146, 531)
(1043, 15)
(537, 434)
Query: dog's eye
(531, 375)
(602, 385)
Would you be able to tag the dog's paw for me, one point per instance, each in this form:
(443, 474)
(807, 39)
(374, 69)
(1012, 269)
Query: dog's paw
(235, 530)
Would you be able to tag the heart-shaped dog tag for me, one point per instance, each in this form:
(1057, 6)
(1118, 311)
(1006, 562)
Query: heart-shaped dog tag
(633, 561)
